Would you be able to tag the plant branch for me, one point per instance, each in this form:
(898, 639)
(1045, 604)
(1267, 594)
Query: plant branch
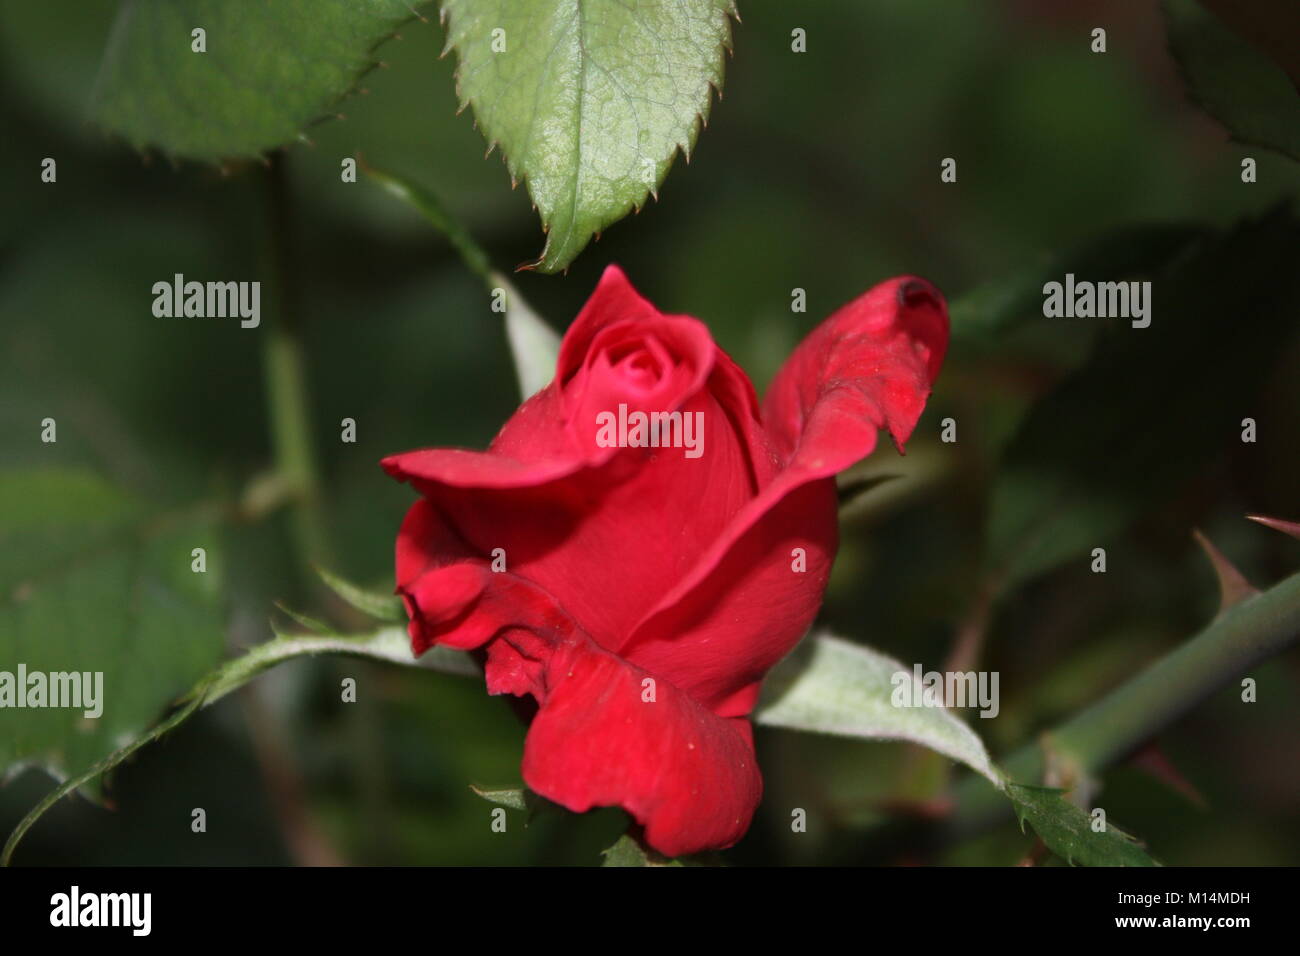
(286, 379)
(1239, 638)
(429, 206)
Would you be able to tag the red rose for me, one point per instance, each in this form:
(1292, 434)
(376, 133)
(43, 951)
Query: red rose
(647, 578)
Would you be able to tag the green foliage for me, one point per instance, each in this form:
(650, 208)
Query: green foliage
(628, 851)
(389, 644)
(1068, 831)
(382, 607)
(831, 686)
(269, 72)
(92, 580)
(1235, 83)
(590, 102)
(984, 317)
(534, 345)
(514, 798)
(625, 852)
(1086, 460)
(796, 188)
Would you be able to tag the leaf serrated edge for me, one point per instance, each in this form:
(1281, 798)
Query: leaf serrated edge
(370, 63)
(683, 146)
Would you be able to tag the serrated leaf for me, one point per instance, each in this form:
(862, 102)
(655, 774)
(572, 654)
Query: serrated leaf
(832, 686)
(1086, 461)
(270, 70)
(383, 607)
(589, 102)
(626, 851)
(389, 644)
(1067, 831)
(1233, 81)
(94, 581)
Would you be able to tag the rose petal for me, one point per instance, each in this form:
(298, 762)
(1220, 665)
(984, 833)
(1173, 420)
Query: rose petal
(621, 535)
(606, 537)
(742, 606)
(681, 348)
(718, 639)
(614, 300)
(533, 449)
(688, 776)
(453, 596)
(869, 366)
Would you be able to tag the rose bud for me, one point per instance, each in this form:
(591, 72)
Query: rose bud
(642, 542)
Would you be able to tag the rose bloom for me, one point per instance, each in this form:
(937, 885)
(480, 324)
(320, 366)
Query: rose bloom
(639, 592)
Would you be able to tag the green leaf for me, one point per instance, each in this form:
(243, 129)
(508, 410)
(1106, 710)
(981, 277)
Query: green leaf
(1068, 831)
(389, 644)
(383, 607)
(589, 102)
(626, 851)
(96, 582)
(270, 70)
(534, 345)
(831, 686)
(1231, 646)
(94, 772)
(1234, 81)
(513, 798)
(1085, 461)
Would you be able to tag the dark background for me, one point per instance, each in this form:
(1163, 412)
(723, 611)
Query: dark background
(818, 171)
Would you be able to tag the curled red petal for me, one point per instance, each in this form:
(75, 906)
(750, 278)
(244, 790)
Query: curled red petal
(749, 601)
(688, 776)
(614, 300)
(869, 366)
(455, 598)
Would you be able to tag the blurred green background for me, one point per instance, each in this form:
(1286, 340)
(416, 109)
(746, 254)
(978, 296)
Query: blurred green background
(818, 171)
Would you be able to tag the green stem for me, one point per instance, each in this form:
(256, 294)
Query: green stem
(432, 209)
(286, 379)
(1238, 639)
